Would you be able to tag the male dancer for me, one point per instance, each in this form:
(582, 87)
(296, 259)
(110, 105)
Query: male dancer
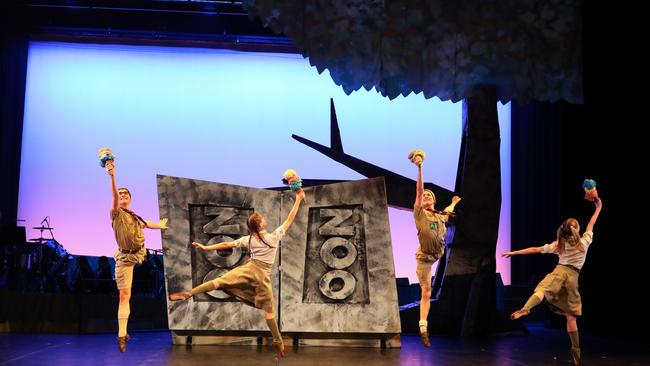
(131, 251)
(431, 235)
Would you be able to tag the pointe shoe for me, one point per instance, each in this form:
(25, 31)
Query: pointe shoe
(176, 296)
(575, 356)
(424, 338)
(519, 313)
(121, 343)
(279, 348)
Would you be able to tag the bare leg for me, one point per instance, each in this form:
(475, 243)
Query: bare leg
(571, 323)
(123, 312)
(425, 304)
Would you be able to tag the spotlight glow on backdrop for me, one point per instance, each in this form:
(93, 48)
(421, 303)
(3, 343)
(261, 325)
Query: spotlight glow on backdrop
(216, 115)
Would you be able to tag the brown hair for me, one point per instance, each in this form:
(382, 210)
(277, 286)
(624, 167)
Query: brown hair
(254, 221)
(568, 233)
(124, 189)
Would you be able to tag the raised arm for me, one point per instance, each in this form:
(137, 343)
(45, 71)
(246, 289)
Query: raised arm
(531, 250)
(300, 196)
(110, 169)
(419, 186)
(219, 246)
(599, 205)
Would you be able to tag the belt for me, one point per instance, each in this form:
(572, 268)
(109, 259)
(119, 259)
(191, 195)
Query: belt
(126, 251)
(572, 267)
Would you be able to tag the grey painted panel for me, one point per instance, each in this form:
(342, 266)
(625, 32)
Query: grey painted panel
(316, 294)
(209, 212)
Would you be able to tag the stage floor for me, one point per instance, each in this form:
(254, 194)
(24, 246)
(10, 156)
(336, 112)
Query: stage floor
(543, 346)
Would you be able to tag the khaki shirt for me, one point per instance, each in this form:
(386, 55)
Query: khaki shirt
(129, 235)
(431, 230)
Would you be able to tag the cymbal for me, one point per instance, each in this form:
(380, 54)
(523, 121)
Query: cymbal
(42, 228)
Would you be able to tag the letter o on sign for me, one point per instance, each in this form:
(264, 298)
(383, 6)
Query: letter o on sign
(337, 284)
(338, 253)
(222, 258)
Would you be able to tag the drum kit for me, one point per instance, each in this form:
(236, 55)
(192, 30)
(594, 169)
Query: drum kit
(45, 256)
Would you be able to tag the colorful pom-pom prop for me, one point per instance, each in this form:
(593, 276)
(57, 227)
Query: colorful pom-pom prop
(105, 154)
(291, 178)
(417, 156)
(589, 185)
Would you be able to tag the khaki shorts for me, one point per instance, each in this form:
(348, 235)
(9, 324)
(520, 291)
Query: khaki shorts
(124, 263)
(423, 269)
(560, 289)
(250, 283)
(124, 274)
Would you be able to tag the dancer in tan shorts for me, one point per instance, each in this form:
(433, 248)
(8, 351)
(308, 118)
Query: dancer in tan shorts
(431, 235)
(129, 236)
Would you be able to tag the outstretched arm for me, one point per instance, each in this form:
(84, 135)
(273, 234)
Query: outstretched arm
(531, 250)
(599, 205)
(110, 169)
(162, 225)
(219, 246)
(300, 196)
(419, 186)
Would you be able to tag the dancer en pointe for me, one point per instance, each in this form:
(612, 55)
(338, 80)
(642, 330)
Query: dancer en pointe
(131, 251)
(431, 235)
(560, 287)
(251, 282)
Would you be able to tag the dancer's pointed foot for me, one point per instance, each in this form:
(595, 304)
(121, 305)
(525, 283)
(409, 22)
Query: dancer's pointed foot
(575, 356)
(424, 338)
(519, 313)
(121, 343)
(176, 296)
(279, 348)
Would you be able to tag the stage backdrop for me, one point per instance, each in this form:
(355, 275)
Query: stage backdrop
(216, 115)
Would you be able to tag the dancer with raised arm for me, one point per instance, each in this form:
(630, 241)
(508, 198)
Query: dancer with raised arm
(251, 282)
(560, 287)
(431, 235)
(129, 236)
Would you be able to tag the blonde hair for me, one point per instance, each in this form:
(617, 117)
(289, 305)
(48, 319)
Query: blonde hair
(568, 234)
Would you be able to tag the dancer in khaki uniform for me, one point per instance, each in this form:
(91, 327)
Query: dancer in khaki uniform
(251, 282)
(431, 235)
(560, 287)
(131, 251)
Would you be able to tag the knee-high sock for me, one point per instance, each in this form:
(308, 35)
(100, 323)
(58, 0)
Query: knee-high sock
(532, 302)
(204, 287)
(275, 331)
(423, 326)
(123, 311)
(575, 339)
